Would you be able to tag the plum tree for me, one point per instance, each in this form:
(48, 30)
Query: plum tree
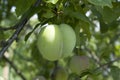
(79, 63)
(91, 26)
(50, 42)
(69, 39)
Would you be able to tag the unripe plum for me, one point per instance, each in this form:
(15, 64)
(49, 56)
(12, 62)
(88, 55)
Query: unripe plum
(61, 74)
(56, 42)
(79, 63)
(50, 42)
(69, 39)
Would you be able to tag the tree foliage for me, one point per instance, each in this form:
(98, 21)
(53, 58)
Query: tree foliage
(95, 22)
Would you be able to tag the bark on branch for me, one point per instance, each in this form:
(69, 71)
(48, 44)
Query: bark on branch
(6, 29)
(19, 26)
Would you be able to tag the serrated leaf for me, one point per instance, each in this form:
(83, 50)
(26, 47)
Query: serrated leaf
(115, 72)
(101, 3)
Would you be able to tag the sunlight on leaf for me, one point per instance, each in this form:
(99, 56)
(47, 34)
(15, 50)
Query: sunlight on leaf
(101, 2)
(52, 1)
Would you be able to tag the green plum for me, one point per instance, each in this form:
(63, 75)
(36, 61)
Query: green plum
(69, 39)
(50, 42)
(79, 63)
(61, 74)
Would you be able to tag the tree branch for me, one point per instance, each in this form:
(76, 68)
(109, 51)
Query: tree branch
(15, 68)
(6, 29)
(101, 66)
(19, 26)
(13, 37)
(108, 64)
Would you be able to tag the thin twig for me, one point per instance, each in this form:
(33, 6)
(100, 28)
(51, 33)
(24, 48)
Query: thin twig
(107, 64)
(19, 26)
(101, 66)
(18, 72)
(13, 37)
(95, 58)
(6, 29)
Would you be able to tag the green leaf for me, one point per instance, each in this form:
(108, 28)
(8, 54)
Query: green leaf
(103, 27)
(114, 25)
(1, 35)
(28, 35)
(76, 15)
(10, 20)
(22, 6)
(101, 3)
(86, 29)
(108, 17)
(115, 72)
(116, 8)
(52, 1)
(48, 14)
(108, 14)
(84, 34)
(35, 54)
